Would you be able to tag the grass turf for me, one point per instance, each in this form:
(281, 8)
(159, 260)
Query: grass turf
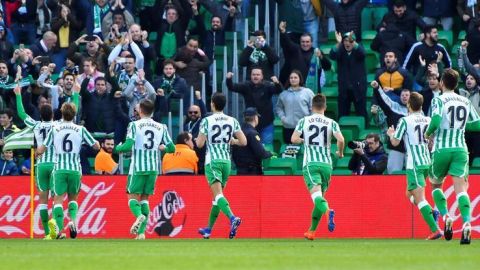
(237, 254)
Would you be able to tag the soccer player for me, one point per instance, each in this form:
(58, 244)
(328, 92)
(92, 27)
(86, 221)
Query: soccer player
(66, 139)
(145, 138)
(44, 164)
(411, 128)
(451, 115)
(217, 132)
(317, 131)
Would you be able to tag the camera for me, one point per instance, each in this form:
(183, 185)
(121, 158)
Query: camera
(356, 144)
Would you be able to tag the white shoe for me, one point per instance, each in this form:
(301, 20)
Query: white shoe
(140, 237)
(136, 225)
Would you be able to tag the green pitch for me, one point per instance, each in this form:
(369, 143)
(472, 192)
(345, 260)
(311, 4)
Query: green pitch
(238, 254)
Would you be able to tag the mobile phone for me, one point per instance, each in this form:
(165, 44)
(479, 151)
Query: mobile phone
(253, 39)
(21, 46)
(121, 60)
(44, 59)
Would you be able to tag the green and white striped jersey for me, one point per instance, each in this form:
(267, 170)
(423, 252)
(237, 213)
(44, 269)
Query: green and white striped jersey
(219, 129)
(148, 135)
(456, 111)
(412, 129)
(317, 130)
(40, 131)
(67, 138)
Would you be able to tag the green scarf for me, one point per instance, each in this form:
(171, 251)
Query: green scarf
(312, 76)
(9, 85)
(167, 85)
(257, 56)
(97, 17)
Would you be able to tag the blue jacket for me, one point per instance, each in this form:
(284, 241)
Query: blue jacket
(8, 167)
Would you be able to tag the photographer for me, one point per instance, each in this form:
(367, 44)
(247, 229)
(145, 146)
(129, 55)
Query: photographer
(369, 157)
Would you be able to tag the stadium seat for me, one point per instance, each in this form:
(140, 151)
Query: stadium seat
(476, 163)
(342, 163)
(152, 36)
(354, 123)
(330, 92)
(367, 19)
(445, 38)
(401, 172)
(287, 165)
(371, 60)
(341, 172)
(378, 13)
(461, 35)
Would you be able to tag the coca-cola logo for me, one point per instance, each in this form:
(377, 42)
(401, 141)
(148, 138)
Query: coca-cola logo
(90, 217)
(454, 212)
(168, 217)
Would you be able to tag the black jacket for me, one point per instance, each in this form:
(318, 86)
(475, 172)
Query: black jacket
(407, 23)
(351, 71)
(429, 53)
(258, 96)
(98, 110)
(473, 38)
(210, 38)
(373, 163)
(348, 16)
(392, 39)
(250, 156)
(266, 64)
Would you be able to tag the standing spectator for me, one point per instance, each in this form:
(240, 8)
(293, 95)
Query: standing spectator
(291, 13)
(439, 10)
(141, 40)
(370, 158)
(190, 62)
(44, 47)
(258, 54)
(293, 104)
(468, 11)
(248, 159)
(348, 15)
(306, 58)
(430, 91)
(95, 16)
(6, 47)
(195, 115)
(90, 74)
(22, 21)
(352, 75)
(390, 38)
(224, 9)
(429, 49)
(44, 17)
(473, 39)
(119, 16)
(258, 94)
(130, 61)
(310, 18)
(95, 49)
(6, 125)
(184, 161)
(137, 90)
(104, 163)
(67, 28)
(7, 164)
(393, 111)
(406, 20)
(393, 78)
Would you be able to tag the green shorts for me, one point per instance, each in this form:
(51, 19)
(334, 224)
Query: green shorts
(317, 174)
(66, 182)
(142, 183)
(218, 171)
(416, 178)
(453, 163)
(43, 176)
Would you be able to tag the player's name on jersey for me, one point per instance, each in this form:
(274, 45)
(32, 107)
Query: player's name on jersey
(419, 120)
(63, 127)
(150, 124)
(221, 118)
(456, 98)
(318, 120)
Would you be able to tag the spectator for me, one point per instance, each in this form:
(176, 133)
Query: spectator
(8, 32)
(429, 49)
(44, 47)
(7, 164)
(393, 112)
(95, 49)
(468, 11)
(258, 54)
(406, 20)
(307, 59)
(293, 104)
(119, 17)
(195, 115)
(434, 67)
(95, 16)
(6, 125)
(137, 90)
(224, 9)
(44, 17)
(90, 74)
(104, 163)
(128, 72)
(248, 159)
(430, 91)
(390, 38)
(435, 10)
(369, 157)
(22, 21)
(67, 28)
(120, 54)
(291, 13)
(348, 15)
(140, 38)
(66, 95)
(25, 167)
(190, 61)
(351, 74)
(6, 47)
(393, 78)
(169, 86)
(258, 94)
(473, 38)
(184, 161)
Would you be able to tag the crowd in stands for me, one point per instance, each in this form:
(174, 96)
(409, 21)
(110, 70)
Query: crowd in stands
(120, 52)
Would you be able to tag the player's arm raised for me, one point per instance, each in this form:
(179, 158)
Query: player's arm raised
(391, 132)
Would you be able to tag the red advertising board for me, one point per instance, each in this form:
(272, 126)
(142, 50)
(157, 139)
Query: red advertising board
(270, 207)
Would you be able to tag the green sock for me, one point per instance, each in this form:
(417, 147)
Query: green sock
(145, 209)
(223, 205)
(72, 210)
(135, 207)
(426, 211)
(464, 206)
(440, 201)
(321, 204)
(44, 217)
(58, 215)
(316, 216)
(213, 216)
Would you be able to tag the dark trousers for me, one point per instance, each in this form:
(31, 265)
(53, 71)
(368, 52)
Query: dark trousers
(287, 135)
(473, 145)
(249, 170)
(346, 97)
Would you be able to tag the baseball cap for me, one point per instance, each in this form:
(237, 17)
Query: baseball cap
(349, 35)
(250, 111)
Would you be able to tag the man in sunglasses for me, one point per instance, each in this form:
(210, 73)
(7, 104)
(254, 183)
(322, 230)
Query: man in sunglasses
(195, 114)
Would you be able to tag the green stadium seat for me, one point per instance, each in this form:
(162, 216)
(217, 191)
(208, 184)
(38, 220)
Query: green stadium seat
(401, 172)
(461, 35)
(371, 60)
(378, 13)
(152, 36)
(341, 172)
(355, 123)
(275, 172)
(332, 108)
(330, 92)
(476, 163)
(288, 165)
(445, 38)
(369, 34)
(367, 19)
(342, 163)
(370, 77)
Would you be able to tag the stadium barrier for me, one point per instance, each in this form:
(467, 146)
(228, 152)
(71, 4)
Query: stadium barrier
(270, 207)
